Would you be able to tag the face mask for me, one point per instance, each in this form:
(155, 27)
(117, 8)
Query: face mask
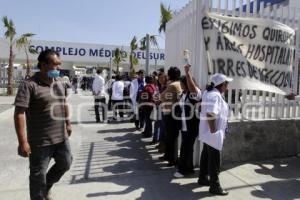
(53, 73)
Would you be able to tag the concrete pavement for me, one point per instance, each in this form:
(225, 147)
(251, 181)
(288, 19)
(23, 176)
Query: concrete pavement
(111, 161)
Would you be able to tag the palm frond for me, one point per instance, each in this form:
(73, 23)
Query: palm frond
(143, 43)
(152, 40)
(133, 44)
(33, 51)
(24, 40)
(5, 21)
(118, 56)
(28, 35)
(165, 16)
(10, 28)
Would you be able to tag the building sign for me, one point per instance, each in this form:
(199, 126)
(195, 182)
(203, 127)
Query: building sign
(258, 53)
(107, 53)
(84, 53)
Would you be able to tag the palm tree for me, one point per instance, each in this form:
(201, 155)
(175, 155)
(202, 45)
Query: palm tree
(133, 61)
(24, 42)
(143, 42)
(165, 16)
(118, 58)
(10, 34)
(152, 40)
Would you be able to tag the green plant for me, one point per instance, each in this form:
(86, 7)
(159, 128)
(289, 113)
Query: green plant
(152, 40)
(165, 16)
(24, 42)
(118, 58)
(133, 61)
(10, 34)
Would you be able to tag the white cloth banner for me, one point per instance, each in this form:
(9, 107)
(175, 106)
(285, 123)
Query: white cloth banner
(258, 53)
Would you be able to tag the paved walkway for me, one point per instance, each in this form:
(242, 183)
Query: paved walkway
(111, 161)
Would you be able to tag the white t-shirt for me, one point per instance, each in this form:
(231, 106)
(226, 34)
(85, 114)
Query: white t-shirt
(184, 100)
(117, 90)
(213, 103)
(98, 85)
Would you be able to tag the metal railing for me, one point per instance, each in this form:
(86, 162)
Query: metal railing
(184, 31)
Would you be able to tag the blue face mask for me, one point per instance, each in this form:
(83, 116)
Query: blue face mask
(53, 73)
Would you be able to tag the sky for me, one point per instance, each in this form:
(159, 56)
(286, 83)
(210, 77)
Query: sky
(113, 22)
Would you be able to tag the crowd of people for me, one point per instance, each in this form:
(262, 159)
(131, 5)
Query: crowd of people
(174, 103)
(164, 105)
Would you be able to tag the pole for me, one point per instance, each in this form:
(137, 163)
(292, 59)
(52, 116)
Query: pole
(147, 53)
(1, 73)
(110, 68)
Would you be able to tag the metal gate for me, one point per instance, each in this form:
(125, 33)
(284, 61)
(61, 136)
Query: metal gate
(184, 31)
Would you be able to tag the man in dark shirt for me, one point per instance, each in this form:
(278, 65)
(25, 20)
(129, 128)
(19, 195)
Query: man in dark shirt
(41, 99)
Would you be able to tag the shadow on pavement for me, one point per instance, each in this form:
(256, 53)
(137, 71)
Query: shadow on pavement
(120, 130)
(124, 161)
(287, 170)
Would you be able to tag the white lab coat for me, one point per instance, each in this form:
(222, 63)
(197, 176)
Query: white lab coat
(213, 102)
(134, 86)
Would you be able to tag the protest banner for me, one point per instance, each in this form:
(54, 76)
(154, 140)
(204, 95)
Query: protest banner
(258, 53)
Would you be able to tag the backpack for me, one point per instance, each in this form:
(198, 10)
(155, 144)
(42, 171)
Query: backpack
(126, 91)
(146, 96)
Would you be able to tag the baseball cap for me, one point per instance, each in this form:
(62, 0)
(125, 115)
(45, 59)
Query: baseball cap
(218, 79)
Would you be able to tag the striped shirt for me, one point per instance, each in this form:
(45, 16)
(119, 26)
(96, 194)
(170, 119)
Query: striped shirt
(45, 110)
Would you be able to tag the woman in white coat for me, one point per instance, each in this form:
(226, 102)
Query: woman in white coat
(213, 125)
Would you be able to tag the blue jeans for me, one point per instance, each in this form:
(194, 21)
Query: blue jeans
(40, 180)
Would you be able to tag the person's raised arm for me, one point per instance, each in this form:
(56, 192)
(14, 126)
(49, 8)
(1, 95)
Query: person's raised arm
(190, 82)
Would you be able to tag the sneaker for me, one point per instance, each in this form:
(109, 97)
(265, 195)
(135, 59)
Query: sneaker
(178, 175)
(218, 191)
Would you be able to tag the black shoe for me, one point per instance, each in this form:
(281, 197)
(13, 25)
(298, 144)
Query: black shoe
(203, 181)
(218, 191)
(153, 142)
(171, 164)
(146, 136)
(162, 158)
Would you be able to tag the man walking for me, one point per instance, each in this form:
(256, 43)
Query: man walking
(99, 94)
(41, 99)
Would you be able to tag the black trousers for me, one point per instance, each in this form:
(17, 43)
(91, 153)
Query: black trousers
(210, 165)
(172, 133)
(148, 123)
(186, 165)
(139, 120)
(100, 102)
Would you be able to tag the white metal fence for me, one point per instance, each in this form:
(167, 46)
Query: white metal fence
(184, 31)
